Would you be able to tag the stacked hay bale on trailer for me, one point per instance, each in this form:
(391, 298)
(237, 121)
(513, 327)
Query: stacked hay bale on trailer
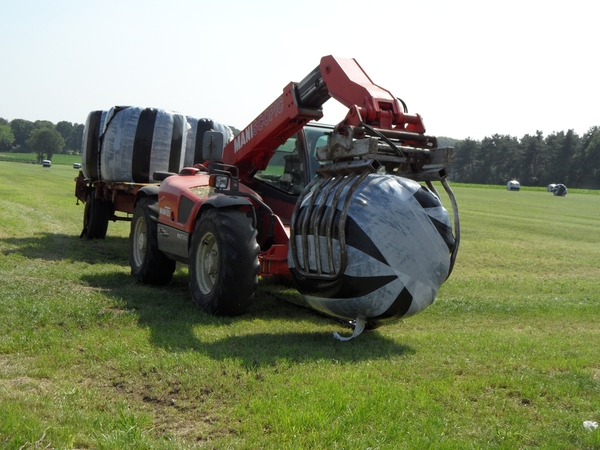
(123, 147)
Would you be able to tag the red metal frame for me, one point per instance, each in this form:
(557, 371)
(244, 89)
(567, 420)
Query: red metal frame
(368, 103)
(252, 149)
(346, 82)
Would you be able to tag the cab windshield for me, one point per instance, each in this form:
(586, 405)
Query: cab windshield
(286, 169)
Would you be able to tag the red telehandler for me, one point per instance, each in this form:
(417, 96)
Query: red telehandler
(348, 212)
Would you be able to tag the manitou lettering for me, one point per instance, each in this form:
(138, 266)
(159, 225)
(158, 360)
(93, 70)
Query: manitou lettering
(241, 139)
(259, 123)
(268, 115)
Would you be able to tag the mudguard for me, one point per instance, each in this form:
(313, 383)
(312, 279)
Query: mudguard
(225, 201)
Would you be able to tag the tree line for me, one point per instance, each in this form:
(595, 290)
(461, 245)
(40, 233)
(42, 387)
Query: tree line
(41, 137)
(534, 160)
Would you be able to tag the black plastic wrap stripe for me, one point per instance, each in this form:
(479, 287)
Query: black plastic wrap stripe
(142, 146)
(398, 308)
(176, 141)
(93, 144)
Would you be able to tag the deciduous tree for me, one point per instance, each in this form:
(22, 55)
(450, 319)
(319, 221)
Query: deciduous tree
(45, 141)
(72, 134)
(21, 129)
(6, 138)
(76, 137)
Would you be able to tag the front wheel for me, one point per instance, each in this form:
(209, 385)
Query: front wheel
(148, 263)
(224, 262)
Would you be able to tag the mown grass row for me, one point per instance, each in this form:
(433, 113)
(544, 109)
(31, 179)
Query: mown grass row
(507, 357)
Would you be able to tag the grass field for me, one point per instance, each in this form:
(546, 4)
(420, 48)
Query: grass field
(507, 358)
(31, 158)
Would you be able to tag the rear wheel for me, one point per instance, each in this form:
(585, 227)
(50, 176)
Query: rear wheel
(95, 217)
(148, 263)
(224, 262)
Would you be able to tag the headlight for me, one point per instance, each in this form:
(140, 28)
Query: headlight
(219, 181)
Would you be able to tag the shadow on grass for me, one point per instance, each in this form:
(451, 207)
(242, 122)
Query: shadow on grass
(176, 325)
(60, 247)
(263, 349)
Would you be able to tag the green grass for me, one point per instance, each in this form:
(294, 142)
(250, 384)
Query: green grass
(506, 358)
(31, 158)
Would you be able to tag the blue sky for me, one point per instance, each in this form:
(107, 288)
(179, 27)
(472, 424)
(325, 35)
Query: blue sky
(470, 68)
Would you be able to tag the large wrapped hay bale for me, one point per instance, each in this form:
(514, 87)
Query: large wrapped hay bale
(396, 239)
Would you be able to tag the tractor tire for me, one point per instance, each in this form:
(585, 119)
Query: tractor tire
(95, 217)
(148, 264)
(224, 262)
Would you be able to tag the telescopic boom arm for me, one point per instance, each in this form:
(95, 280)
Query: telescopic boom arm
(339, 78)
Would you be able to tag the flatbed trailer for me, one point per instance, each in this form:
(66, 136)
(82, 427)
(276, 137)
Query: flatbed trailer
(107, 202)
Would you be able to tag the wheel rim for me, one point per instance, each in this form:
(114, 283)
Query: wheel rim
(207, 263)
(139, 242)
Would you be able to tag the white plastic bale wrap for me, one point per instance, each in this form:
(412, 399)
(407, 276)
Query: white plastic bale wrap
(513, 185)
(197, 128)
(129, 144)
(136, 142)
(398, 240)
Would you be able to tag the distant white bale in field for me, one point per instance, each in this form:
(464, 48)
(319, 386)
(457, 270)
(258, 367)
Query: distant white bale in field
(589, 425)
(560, 190)
(551, 187)
(513, 185)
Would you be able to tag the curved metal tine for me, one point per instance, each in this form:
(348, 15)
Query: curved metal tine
(329, 217)
(305, 224)
(433, 189)
(296, 219)
(456, 225)
(316, 221)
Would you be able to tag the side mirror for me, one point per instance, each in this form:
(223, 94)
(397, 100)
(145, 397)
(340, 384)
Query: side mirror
(212, 146)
